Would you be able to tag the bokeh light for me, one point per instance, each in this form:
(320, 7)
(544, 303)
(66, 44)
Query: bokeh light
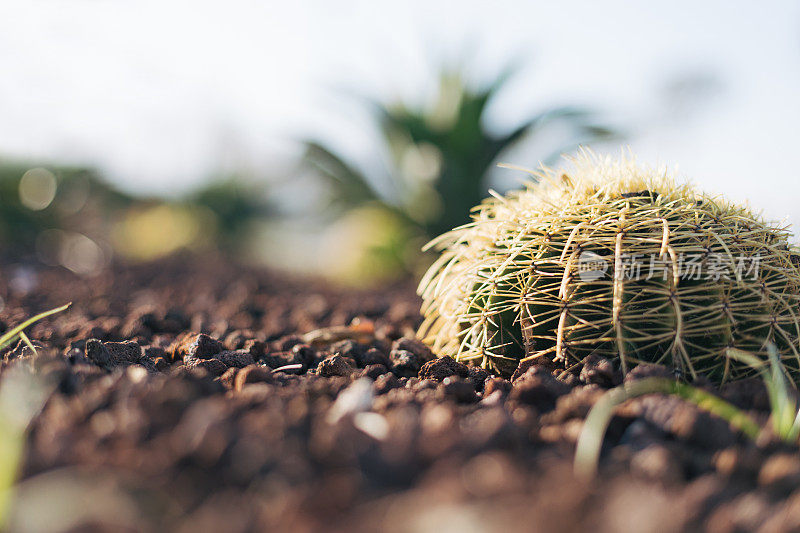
(82, 255)
(152, 232)
(72, 197)
(37, 188)
(72, 250)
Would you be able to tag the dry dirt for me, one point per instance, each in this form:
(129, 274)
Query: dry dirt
(193, 394)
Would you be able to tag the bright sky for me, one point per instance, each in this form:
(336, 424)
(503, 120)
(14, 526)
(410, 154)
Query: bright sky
(161, 93)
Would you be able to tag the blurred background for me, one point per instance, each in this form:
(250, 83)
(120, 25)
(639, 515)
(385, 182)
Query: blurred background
(336, 138)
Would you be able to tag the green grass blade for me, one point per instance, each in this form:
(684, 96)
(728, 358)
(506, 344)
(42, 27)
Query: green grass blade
(590, 441)
(794, 433)
(785, 416)
(22, 396)
(786, 409)
(9, 337)
(747, 358)
(27, 341)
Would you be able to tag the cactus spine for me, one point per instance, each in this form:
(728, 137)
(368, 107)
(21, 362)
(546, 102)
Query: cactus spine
(674, 276)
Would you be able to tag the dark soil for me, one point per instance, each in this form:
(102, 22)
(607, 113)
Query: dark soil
(196, 395)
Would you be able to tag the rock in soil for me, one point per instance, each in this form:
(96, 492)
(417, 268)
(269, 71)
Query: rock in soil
(446, 366)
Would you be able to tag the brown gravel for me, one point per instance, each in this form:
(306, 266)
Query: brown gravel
(197, 395)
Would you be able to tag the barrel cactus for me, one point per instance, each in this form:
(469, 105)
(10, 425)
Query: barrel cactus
(612, 259)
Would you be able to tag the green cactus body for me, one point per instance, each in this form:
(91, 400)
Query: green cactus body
(686, 276)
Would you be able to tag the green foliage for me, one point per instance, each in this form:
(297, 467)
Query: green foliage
(440, 157)
(14, 333)
(590, 441)
(235, 207)
(21, 397)
(76, 190)
(84, 203)
(784, 408)
(18, 224)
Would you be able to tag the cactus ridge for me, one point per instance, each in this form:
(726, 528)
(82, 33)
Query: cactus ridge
(512, 285)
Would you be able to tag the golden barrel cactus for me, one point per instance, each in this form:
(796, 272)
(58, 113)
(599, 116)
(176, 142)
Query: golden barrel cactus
(616, 260)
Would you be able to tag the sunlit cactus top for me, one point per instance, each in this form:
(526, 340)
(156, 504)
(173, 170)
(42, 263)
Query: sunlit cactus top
(616, 260)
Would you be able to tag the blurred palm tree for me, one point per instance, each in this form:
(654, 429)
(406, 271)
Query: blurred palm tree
(440, 158)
